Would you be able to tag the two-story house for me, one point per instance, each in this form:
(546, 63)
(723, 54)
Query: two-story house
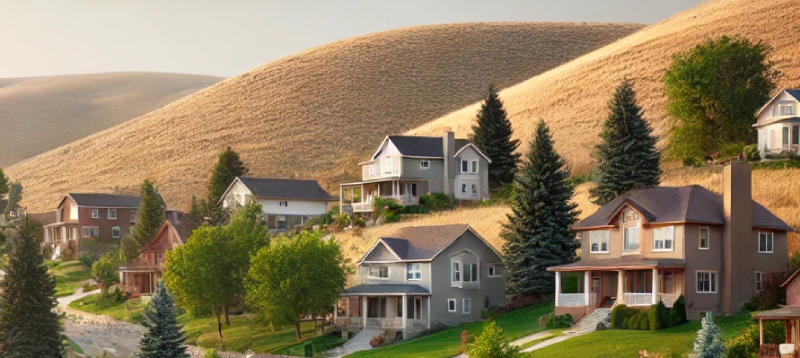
(423, 276)
(9, 216)
(406, 167)
(778, 124)
(287, 203)
(141, 275)
(651, 245)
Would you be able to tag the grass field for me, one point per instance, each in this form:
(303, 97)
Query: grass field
(447, 343)
(243, 333)
(69, 276)
(130, 311)
(624, 343)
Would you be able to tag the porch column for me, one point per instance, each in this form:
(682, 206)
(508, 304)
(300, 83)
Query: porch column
(429, 313)
(587, 279)
(336, 312)
(361, 195)
(405, 311)
(655, 286)
(341, 200)
(558, 286)
(760, 332)
(364, 311)
(620, 287)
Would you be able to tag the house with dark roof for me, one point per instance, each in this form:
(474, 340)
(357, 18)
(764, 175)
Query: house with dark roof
(287, 203)
(141, 275)
(778, 124)
(656, 244)
(404, 168)
(790, 315)
(423, 276)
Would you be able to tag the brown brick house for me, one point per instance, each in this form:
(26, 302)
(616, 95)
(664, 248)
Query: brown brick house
(141, 275)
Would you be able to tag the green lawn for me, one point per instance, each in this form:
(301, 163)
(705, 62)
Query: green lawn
(241, 334)
(447, 343)
(626, 343)
(69, 275)
(130, 311)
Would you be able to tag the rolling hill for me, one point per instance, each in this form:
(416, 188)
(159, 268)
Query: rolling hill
(38, 114)
(314, 114)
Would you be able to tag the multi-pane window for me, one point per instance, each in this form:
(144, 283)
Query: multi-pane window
(474, 166)
(456, 271)
(470, 272)
(787, 109)
(284, 204)
(379, 272)
(705, 240)
(598, 241)
(115, 232)
(631, 238)
(91, 232)
(663, 238)
(451, 305)
(466, 305)
(424, 164)
(464, 166)
(474, 189)
(112, 213)
(95, 213)
(414, 272)
(760, 278)
(765, 241)
(706, 282)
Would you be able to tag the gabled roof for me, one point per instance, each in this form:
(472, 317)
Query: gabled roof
(624, 262)
(166, 228)
(271, 188)
(677, 204)
(104, 200)
(425, 147)
(423, 243)
(791, 278)
(386, 289)
(795, 93)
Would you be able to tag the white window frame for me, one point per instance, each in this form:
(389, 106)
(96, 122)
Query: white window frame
(492, 271)
(411, 273)
(95, 213)
(474, 166)
(786, 105)
(667, 234)
(466, 305)
(284, 204)
(761, 277)
(119, 232)
(625, 239)
(713, 279)
(455, 305)
(91, 228)
(474, 189)
(468, 267)
(700, 239)
(108, 214)
(424, 164)
(463, 188)
(134, 215)
(770, 244)
(378, 277)
(599, 244)
(456, 281)
(464, 162)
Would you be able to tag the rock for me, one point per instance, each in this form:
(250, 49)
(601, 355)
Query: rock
(377, 341)
(604, 324)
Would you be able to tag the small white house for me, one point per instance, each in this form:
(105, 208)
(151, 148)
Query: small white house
(778, 124)
(288, 203)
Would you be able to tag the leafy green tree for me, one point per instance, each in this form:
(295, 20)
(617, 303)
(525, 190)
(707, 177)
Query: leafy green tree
(713, 93)
(627, 157)
(163, 338)
(709, 343)
(279, 284)
(28, 326)
(492, 135)
(492, 343)
(106, 270)
(3, 183)
(538, 233)
(149, 218)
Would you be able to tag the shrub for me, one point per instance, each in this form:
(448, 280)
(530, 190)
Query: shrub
(677, 314)
(658, 316)
(692, 162)
(322, 220)
(210, 353)
(773, 295)
(745, 344)
(416, 209)
(436, 201)
(709, 343)
(358, 221)
(88, 259)
(750, 153)
(618, 315)
(492, 343)
(387, 208)
(342, 221)
(563, 321)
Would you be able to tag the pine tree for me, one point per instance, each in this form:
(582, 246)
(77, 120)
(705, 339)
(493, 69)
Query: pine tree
(627, 158)
(228, 168)
(163, 338)
(709, 343)
(28, 326)
(492, 135)
(3, 183)
(538, 233)
(149, 218)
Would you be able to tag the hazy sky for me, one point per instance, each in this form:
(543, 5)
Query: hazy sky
(227, 37)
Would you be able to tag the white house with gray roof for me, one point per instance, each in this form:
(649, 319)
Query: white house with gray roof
(403, 168)
(287, 203)
(778, 124)
(422, 277)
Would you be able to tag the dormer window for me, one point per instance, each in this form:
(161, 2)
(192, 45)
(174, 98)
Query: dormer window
(786, 109)
(631, 222)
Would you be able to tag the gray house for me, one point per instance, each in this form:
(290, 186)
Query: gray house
(404, 168)
(423, 276)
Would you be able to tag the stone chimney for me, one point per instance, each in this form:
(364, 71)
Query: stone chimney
(736, 282)
(448, 150)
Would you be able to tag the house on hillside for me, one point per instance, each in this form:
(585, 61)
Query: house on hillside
(790, 315)
(141, 275)
(87, 220)
(287, 203)
(420, 277)
(778, 124)
(9, 217)
(404, 168)
(656, 244)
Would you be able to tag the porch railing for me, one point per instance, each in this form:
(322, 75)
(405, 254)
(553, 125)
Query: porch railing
(386, 323)
(362, 206)
(638, 299)
(667, 298)
(571, 300)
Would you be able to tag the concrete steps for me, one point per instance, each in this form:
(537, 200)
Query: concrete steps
(589, 323)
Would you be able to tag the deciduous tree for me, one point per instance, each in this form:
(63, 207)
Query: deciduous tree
(492, 135)
(106, 270)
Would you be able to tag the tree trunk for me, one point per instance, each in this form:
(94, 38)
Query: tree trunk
(297, 330)
(227, 316)
(219, 321)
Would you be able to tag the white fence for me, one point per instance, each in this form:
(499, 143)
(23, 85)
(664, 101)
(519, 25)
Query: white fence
(571, 300)
(638, 299)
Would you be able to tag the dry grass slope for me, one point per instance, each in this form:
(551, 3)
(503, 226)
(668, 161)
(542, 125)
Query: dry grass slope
(314, 114)
(38, 114)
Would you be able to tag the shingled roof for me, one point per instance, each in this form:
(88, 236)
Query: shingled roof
(105, 200)
(678, 204)
(416, 146)
(270, 188)
(421, 242)
(386, 289)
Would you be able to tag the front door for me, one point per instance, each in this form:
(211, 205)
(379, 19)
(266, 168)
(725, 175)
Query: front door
(417, 307)
(595, 296)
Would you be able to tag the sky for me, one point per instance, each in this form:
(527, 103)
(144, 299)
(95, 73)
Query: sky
(228, 37)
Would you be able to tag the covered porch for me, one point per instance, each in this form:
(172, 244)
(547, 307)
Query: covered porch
(139, 281)
(62, 237)
(400, 307)
(360, 197)
(791, 319)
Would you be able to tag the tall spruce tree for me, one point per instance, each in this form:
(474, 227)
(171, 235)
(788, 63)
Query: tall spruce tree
(228, 167)
(627, 157)
(28, 326)
(3, 183)
(163, 338)
(492, 135)
(709, 343)
(149, 218)
(538, 233)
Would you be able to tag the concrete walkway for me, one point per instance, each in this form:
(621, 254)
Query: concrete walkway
(359, 342)
(533, 337)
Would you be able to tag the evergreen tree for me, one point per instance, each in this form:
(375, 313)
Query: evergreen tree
(492, 135)
(163, 338)
(709, 343)
(149, 218)
(229, 166)
(3, 183)
(538, 233)
(28, 326)
(627, 157)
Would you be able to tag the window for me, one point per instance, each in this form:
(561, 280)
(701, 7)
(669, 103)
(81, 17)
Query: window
(663, 238)
(598, 242)
(115, 232)
(474, 166)
(760, 278)
(414, 272)
(399, 307)
(451, 305)
(464, 166)
(470, 272)
(12, 213)
(463, 188)
(704, 239)
(456, 271)
(90, 232)
(133, 215)
(494, 271)
(795, 136)
(284, 204)
(424, 164)
(474, 189)
(629, 216)
(389, 165)
(787, 109)
(786, 137)
(379, 272)
(112, 213)
(631, 238)
(765, 239)
(706, 281)
(466, 305)
(95, 213)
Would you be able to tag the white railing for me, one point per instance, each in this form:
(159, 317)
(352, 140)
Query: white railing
(667, 298)
(377, 170)
(571, 300)
(638, 299)
(404, 200)
(385, 322)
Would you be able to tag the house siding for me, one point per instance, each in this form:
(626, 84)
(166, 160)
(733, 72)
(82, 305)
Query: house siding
(481, 178)
(397, 275)
(793, 293)
(434, 174)
(616, 242)
(104, 225)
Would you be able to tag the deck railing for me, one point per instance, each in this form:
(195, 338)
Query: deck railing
(386, 323)
(638, 299)
(571, 300)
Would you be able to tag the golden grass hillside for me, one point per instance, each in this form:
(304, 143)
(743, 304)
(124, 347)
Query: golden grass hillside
(572, 98)
(314, 114)
(38, 114)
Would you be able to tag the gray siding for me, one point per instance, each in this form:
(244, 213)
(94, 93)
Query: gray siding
(434, 174)
(397, 275)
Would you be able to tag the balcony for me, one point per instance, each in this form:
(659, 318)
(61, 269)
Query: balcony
(382, 168)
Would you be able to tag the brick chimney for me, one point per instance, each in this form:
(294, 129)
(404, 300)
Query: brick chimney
(736, 282)
(448, 149)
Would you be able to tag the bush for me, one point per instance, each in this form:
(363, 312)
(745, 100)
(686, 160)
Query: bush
(387, 208)
(745, 344)
(322, 220)
(211, 353)
(342, 221)
(618, 316)
(416, 209)
(658, 316)
(578, 179)
(491, 343)
(677, 314)
(692, 162)
(88, 259)
(773, 295)
(563, 321)
(436, 201)
(750, 153)
(358, 221)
